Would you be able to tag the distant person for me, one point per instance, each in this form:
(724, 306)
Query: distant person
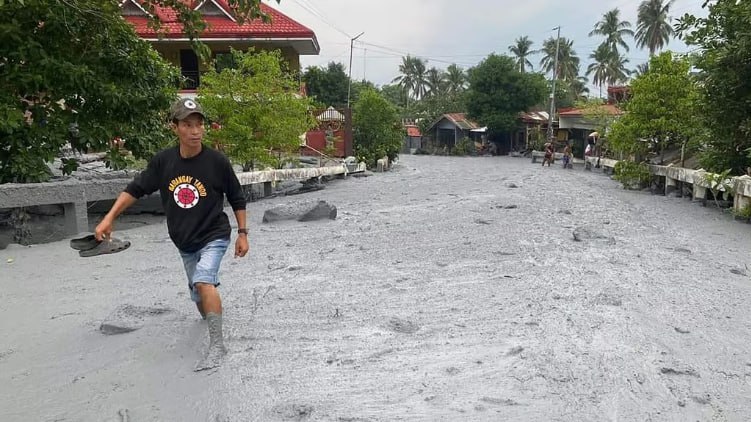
(549, 154)
(193, 181)
(567, 155)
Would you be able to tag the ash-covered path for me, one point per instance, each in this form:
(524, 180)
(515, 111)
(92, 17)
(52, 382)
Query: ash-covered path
(448, 289)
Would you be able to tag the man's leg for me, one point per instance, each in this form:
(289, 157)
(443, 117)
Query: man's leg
(209, 301)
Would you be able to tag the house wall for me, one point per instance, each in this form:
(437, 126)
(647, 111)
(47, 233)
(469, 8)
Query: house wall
(171, 51)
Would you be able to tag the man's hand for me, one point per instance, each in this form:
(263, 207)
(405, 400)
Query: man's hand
(241, 246)
(103, 229)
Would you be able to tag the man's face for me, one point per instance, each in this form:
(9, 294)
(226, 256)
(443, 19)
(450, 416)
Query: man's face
(190, 130)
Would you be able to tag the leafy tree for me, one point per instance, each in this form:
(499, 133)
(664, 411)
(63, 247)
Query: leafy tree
(568, 61)
(79, 74)
(257, 106)
(498, 92)
(394, 94)
(436, 82)
(75, 71)
(600, 65)
(613, 29)
(521, 50)
(413, 77)
(377, 128)
(328, 85)
(660, 109)
(653, 29)
(725, 80)
(456, 79)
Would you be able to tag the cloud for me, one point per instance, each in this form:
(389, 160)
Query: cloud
(445, 32)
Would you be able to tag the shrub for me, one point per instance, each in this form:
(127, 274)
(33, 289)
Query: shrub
(631, 175)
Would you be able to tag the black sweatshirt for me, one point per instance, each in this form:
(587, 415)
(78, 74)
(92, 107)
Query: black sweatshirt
(192, 191)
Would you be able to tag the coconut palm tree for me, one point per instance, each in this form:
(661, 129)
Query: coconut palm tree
(456, 79)
(600, 65)
(578, 87)
(618, 73)
(413, 76)
(521, 50)
(641, 69)
(613, 29)
(436, 82)
(568, 61)
(653, 29)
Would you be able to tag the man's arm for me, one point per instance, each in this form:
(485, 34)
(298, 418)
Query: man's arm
(104, 228)
(241, 245)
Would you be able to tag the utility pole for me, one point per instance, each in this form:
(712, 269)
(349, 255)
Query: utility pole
(552, 93)
(351, 46)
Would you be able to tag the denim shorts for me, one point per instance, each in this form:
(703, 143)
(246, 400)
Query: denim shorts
(202, 266)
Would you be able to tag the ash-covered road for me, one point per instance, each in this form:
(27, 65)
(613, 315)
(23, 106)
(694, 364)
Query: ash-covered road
(448, 289)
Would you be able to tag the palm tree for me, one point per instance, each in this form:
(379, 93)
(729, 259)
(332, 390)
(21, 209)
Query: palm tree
(653, 29)
(641, 69)
(568, 61)
(578, 87)
(436, 82)
(613, 29)
(521, 50)
(456, 79)
(413, 76)
(617, 71)
(600, 65)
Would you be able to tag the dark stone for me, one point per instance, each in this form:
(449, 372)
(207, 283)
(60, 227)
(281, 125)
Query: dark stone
(589, 234)
(301, 211)
(403, 326)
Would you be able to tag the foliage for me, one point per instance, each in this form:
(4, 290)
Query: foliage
(76, 73)
(744, 212)
(660, 109)
(607, 67)
(613, 29)
(568, 61)
(413, 78)
(328, 86)
(521, 50)
(632, 175)
(720, 185)
(464, 147)
(725, 81)
(653, 29)
(377, 129)
(498, 92)
(257, 106)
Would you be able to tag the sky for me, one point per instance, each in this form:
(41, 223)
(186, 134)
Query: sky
(460, 31)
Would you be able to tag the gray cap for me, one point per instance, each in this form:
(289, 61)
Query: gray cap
(183, 108)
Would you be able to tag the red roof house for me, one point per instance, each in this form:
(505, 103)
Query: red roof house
(224, 32)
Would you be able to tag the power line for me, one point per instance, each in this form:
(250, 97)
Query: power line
(310, 9)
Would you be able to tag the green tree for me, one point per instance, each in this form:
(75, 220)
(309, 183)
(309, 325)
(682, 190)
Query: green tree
(80, 75)
(436, 82)
(653, 29)
(613, 29)
(456, 79)
(377, 128)
(568, 61)
(659, 112)
(257, 106)
(328, 85)
(498, 92)
(75, 71)
(600, 65)
(521, 50)
(413, 77)
(394, 94)
(725, 80)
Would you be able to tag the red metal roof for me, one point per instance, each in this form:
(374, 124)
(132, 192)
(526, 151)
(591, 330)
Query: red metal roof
(281, 26)
(413, 131)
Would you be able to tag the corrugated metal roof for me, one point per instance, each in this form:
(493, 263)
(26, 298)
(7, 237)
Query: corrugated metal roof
(606, 108)
(281, 26)
(413, 131)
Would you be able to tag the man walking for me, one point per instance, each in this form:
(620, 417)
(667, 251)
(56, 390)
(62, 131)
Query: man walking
(193, 181)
